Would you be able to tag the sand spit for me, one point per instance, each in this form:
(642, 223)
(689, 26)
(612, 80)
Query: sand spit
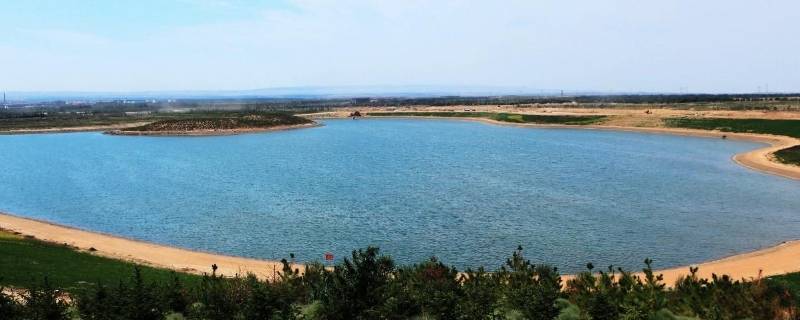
(198, 133)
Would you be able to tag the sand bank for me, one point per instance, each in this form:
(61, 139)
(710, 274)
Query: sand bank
(221, 132)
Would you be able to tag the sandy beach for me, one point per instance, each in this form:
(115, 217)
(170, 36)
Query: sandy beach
(780, 259)
(139, 251)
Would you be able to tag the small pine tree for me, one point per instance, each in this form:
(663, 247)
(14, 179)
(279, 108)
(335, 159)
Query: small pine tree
(481, 295)
(356, 287)
(175, 296)
(10, 309)
(532, 290)
(44, 303)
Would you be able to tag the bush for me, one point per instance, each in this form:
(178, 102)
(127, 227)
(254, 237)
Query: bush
(355, 289)
(532, 290)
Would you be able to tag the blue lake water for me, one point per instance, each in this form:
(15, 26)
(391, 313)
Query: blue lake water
(466, 192)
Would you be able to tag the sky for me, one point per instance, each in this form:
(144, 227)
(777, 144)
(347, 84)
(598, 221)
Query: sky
(711, 46)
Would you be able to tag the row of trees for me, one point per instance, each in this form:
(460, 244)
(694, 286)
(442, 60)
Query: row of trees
(370, 286)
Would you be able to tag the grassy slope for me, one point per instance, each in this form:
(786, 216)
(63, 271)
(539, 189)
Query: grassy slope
(56, 120)
(25, 262)
(789, 155)
(504, 117)
(64, 122)
(790, 281)
(779, 127)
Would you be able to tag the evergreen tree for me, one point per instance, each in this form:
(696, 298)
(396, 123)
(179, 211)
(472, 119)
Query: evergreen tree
(356, 287)
(44, 303)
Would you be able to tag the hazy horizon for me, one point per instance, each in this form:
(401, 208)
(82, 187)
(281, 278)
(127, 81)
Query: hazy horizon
(515, 47)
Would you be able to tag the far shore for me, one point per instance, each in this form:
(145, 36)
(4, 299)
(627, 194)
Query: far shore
(198, 133)
(761, 159)
(776, 260)
(75, 129)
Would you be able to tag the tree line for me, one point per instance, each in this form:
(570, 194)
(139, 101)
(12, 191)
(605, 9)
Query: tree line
(369, 285)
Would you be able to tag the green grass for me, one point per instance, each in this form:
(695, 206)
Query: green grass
(778, 127)
(40, 121)
(789, 155)
(25, 262)
(790, 281)
(224, 121)
(504, 117)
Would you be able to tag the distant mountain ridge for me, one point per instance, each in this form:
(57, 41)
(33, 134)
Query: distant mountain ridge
(309, 92)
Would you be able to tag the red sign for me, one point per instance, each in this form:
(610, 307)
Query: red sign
(328, 256)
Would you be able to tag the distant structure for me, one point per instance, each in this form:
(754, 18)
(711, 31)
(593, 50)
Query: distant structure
(5, 105)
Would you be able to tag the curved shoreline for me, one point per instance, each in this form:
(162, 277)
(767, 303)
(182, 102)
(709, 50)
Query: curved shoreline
(770, 261)
(138, 251)
(210, 133)
(774, 260)
(758, 159)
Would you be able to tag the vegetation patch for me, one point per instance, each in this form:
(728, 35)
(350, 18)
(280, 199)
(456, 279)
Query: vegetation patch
(369, 285)
(25, 262)
(778, 127)
(42, 121)
(789, 155)
(503, 117)
(223, 122)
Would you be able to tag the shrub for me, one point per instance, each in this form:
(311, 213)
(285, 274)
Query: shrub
(532, 290)
(355, 289)
(368, 286)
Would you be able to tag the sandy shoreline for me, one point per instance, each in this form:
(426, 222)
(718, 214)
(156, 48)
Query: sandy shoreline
(780, 259)
(137, 251)
(759, 159)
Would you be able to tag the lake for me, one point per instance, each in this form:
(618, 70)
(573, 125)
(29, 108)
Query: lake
(466, 192)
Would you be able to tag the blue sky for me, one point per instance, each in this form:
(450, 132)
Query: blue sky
(621, 45)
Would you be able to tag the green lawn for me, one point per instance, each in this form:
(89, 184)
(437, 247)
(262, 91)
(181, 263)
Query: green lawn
(779, 127)
(504, 117)
(25, 262)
